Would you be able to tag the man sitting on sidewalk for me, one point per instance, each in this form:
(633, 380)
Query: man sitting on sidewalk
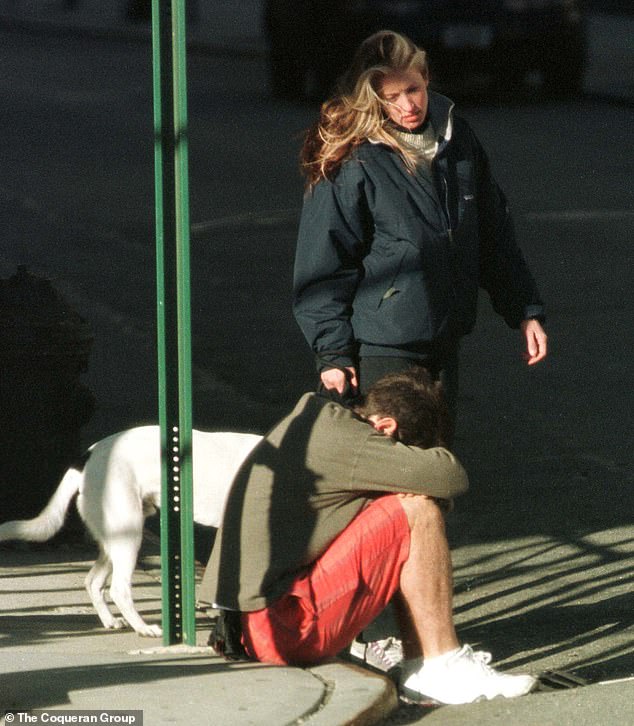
(334, 514)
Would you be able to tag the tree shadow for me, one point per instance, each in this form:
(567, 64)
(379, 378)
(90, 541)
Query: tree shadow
(544, 562)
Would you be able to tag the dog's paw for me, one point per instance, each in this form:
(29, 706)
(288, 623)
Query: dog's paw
(115, 624)
(150, 631)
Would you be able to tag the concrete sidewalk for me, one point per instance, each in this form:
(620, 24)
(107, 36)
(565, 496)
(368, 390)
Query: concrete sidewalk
(55, 655)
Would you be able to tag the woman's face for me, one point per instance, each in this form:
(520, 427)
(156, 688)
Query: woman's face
(405, 97)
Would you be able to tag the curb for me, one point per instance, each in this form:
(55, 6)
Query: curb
(354, 696)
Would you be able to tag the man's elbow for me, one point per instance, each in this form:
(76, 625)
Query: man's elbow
(455, 479)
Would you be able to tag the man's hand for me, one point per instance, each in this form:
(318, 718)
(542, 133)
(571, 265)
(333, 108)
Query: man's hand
(335, 378)
(536, 341)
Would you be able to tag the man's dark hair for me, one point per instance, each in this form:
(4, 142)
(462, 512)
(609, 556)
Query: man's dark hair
(416, 401)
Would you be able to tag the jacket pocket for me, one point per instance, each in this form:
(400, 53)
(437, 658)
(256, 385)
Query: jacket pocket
(407, 303)
(467, 203)
(390, 286)
(382, 267)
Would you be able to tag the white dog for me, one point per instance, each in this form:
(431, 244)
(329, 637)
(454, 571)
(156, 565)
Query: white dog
(118, 487)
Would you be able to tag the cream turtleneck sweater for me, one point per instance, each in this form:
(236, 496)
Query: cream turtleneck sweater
(424, 143)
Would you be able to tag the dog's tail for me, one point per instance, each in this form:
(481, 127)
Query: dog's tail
(51, 518)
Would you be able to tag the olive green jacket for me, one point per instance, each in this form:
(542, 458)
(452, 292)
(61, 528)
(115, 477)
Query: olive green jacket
(300, 487)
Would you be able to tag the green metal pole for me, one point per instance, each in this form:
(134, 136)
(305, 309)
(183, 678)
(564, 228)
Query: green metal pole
(173, 319)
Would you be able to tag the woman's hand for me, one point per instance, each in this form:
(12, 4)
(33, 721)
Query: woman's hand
(536, 341)
(335, 378)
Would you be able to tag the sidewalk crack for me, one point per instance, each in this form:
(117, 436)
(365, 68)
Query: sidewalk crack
(329, 688)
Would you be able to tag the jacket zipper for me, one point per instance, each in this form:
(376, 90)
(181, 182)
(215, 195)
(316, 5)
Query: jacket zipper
(445, 187)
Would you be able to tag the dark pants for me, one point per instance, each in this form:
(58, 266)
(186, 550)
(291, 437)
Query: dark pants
(443, 367)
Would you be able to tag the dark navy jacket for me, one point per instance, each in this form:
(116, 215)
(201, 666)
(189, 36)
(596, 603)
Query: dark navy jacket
(390, 260)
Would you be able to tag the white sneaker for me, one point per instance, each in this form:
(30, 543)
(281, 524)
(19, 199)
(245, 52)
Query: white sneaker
(463, 677)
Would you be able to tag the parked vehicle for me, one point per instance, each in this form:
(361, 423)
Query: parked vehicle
(311, 41)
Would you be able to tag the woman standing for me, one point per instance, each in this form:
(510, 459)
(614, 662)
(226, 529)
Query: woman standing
(402, 223)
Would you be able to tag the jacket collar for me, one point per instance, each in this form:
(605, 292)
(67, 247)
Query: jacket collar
(440, 112)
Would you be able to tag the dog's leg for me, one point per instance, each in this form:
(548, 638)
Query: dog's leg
(124, 555)
(96, 585)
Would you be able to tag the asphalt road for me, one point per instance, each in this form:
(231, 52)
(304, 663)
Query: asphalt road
(548, 450)
(77, 205)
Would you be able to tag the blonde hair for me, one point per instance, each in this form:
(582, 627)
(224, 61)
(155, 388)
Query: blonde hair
(356, 112)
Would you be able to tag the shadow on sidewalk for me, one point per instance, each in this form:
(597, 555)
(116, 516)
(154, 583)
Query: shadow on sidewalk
(45, 687)
(549, 582)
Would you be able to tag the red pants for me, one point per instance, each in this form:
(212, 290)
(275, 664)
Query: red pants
(339, 595)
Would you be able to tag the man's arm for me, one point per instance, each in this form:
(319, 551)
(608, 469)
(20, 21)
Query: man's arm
(384, 464)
